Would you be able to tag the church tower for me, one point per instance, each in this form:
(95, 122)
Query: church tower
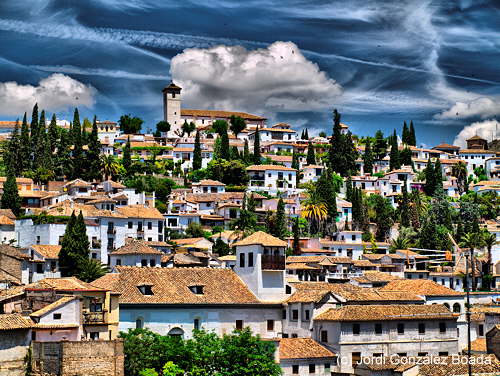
(172, 106)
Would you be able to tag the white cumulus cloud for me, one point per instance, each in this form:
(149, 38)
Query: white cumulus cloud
(485, 129)
(275, 78)
(55, 92)
(484, 107)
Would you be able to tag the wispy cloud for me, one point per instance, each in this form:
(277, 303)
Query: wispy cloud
(70, 69)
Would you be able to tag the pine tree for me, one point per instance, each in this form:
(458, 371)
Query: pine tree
(311, 157)
(368, 158)
(430, 183)
(438, 177)
(394, 162)
(24, 145)
(10, 197)
(53, 134)
(280, 230)
(412, 139)
(127, 159)
(246, 153)
(197, 161)
(405, 136)
(380, 146)
(256, 147)
(404, 206)
(296, 236)
(93, 154)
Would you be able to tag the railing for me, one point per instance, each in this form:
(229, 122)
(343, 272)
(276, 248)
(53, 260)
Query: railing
(273, 262)
(256, 183)
(257, 177)
(93, 317)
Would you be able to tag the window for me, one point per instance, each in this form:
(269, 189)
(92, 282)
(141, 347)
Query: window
(56, 316)
(295, 369)
(94, 335)
(152, 262)
(378, 328)
(197, 289)
(401, 328)
(312, 368)
(160, 226)
(144, 262)
(306, 315)
(150, 225)
(139, 323)
(145, 289)
(239, 324)
(355, 358)
(118, 262)
(324, 336)
(242, 260)
(295, 314)
(270, 325)
(283, 315)
(422, 354)
(53, 265)
(353, 237)
(294, 335)
(288, 290)
(250, 259)
(481, 330)
(443, 353)
(130, 224)
(38, 240)
(421, 328)
(196, 324)
(39, 268)
(327, 367)
(456, 308)
(442, 327)
(33, 335)
(355, 329)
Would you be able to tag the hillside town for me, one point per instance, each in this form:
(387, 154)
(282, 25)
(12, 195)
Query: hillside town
(342, 254)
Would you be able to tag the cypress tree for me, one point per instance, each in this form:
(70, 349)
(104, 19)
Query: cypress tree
(356, 208)
(24, 145)
(348, 188)
(281, 225)
(302, 135)
(368, 158)
(405, 157)
(74, 246)
(78, 155)
(225, 149)
(438, 177)
(296, 236)
(306, 134)
(197, 161)
(394, 162)
(40, 143)
(412, 137)
(235, 154)
(430, 183)
(256, 147)
(93, 154)
(127, 159)
(246, 153)
(296, 166)
(327, 193)
(53, 134)
(10, 196)
(63, 165)
(335, 152)
(34, 131)
(380, 146)
(12, 154)
(350, 154)
(405, 134)
(311, 157)
(404, 207)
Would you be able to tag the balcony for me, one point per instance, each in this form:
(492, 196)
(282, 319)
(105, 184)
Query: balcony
(111, 231)
(96, 244)
(273, 262)
(93, 317)
(256, 183)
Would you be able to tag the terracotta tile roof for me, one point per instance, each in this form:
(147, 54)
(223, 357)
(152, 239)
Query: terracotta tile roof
(8, 213)
(63, 284)
(14, 321)
(269, 168)
(12, 292)
(51, 326)
(278, 158)
(136, 247)
(219, 114)
(262, 238)
(411, 254)
(171, 286)
(78, 183)
(307, 296)
(444, 145)
(479, 345)
(370, 276)
(6, 221)
(115, 184)
(378, 256)
(52, 306)
(364, 263)
(302, 266)
(480, 367)
(139, 211)
(387, 312)
(3, 179)
(227, 258)
(186, 241)
(302, 348)
(476, 151)
(420, 287)
(47, 251)
(209, 182)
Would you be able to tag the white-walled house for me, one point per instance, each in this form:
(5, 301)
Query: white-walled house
(493, 168)
(135, 253)
(271, 178)
(208, 186)
(475, 158)
(43, 263)
(305, 356)
(311, 173)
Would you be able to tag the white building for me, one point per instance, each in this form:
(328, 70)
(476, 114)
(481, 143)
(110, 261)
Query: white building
(135, 253)
(475, 158)
(271, 178)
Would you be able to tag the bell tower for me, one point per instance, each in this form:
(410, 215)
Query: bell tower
(172, 106)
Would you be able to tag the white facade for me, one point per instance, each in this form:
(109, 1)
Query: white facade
(475, 158)
(271, 178)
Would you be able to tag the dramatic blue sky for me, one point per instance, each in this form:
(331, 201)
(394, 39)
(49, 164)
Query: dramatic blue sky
(378, 62)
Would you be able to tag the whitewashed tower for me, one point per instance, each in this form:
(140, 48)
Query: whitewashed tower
(172, 106)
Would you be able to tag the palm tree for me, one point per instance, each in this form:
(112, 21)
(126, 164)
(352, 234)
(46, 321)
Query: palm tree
(315, 212)
(399, 243)
(472, 240)
(91, 269)
(488, 241)
(110, 166)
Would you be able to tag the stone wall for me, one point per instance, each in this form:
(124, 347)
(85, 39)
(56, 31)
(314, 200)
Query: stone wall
(13, 349)
(82, 358)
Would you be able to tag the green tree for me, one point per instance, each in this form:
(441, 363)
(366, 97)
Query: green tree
(296, 236)
(412, 139)
(10, 196)
(225, 151)
(74, 246)
(127, 158)
(368, 158)
(488, 240)
(40, 145)
(12, 153)
(188, 128)
(63, 162)
(405, 157)
(438, 176)
(311, 157)
(380, 146)
(405, 136)
(93, 155)
(246, 158)
(34, 130)
(162, 127)
(110, 167)
(237, 124)
(394, 162)
(459, 170)
(281, 227)
(221, 248)
(327, 192)
(53, 133)
(404, 206)
(306, 134)
(24, 145)
(247, 221)
(197, 160)
(78, 160)
(91, 269)
(256, 147)
(322, 134)
(130, 124)
(383, 218)
(430, 182)
(194, 230)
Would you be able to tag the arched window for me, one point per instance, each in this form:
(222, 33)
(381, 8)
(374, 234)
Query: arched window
(456, 308)
(176, 332)
(139, 323)
(447, 305)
